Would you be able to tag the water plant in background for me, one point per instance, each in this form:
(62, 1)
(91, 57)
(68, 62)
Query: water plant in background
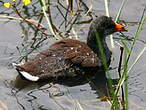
(124, 67)
(35, 17)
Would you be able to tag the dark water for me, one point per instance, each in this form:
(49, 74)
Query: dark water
(86, 96)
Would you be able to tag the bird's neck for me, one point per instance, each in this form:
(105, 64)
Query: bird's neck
(97, 43)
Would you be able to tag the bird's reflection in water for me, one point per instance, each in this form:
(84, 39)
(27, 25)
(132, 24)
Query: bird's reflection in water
(97, 82)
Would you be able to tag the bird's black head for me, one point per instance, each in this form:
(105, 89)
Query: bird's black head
(105, 26)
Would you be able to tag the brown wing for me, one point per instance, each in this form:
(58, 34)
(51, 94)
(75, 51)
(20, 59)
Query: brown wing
(58, 58)
(76, 51)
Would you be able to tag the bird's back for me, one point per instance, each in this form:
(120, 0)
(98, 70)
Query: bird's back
(67, 57)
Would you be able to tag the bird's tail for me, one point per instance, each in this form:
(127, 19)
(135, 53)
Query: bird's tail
(25, 74)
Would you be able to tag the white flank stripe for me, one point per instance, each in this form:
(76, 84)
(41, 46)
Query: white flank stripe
(28, 76)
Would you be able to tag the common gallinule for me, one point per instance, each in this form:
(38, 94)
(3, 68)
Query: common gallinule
(68, 57)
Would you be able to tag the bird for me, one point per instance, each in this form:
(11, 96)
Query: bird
(69, 57)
